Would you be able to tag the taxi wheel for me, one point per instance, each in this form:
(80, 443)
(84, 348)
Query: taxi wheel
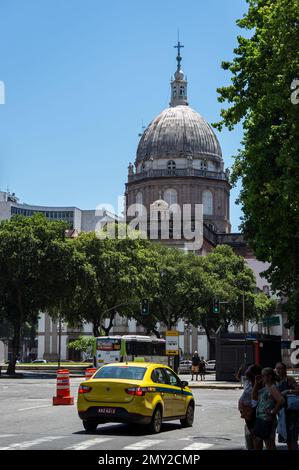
(187, 422)
(89, 425)
(156, 422)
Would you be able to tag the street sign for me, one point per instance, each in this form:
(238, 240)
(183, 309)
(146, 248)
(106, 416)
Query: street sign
(271, 321)
(172, 343)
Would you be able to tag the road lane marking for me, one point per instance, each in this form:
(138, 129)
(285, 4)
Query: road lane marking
(36, 399)
(27, 444)
(33, 407)
(198, 446)
(143, 444)
(89, 443)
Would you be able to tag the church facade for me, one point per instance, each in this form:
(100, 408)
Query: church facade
(179, 162)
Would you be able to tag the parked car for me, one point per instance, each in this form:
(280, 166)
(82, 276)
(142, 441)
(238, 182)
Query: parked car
(185, 367)
(39, 361)
(211, 365)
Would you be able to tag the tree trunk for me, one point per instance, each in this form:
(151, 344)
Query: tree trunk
(11, 369)
(111, 320)
(296, 286)
(207, 333)
(95, 328)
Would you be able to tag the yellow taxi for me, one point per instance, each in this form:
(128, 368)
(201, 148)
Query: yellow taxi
(135, 392)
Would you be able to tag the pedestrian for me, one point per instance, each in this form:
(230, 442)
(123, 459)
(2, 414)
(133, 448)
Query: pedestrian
(269, 401)
(202, 368)
(240, 374)
(247, 406)
(195, 365)
(288, 386)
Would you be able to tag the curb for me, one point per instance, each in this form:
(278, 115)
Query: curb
(215, 387)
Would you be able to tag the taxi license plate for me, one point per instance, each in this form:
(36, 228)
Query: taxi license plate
(107, 411)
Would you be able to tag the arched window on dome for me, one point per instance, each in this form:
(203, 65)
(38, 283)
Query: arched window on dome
(182, 91)
(204, 165)
(171, 166)
(170, 196)
(207, 202)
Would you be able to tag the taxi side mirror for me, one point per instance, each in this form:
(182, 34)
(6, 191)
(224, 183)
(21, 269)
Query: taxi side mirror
(184, 384)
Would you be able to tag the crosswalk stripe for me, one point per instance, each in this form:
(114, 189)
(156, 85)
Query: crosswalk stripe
(143, 444)
(89, 443)
(33, 407)
(27, 444)
(139, 445)
(198, 446)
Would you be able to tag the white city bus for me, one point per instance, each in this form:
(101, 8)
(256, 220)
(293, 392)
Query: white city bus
(130, 348)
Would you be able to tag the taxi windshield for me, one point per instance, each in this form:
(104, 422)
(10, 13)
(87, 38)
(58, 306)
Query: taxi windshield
(120, 372)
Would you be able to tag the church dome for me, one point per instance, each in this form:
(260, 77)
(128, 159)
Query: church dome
(180, 132)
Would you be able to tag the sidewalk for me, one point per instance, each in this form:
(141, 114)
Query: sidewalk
(211, 383)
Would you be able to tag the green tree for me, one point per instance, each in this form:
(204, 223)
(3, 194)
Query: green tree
(263, 69)
(85, 344)
(227, 277)
(123, 270)
(264, 306)
(38, 269)
(167, 303)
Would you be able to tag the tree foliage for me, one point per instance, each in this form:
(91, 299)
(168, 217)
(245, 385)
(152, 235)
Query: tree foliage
(89, 279)
(85, 344)
(121, 271)
(38, 271)
(263, 68)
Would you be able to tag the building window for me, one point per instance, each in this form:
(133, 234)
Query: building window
(171, 165)
(170, 196)
(182, 91)
(139, 198)
(203, 165)
(207, 202)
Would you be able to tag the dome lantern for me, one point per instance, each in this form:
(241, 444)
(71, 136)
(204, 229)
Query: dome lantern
(179, 84)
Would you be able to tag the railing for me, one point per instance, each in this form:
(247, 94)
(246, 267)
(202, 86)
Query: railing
(209, 234)
(183, 172)
(230, 239)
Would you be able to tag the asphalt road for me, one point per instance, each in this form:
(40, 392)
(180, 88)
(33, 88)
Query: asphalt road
(29, 421)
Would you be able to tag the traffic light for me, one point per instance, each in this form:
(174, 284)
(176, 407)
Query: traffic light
(216, 306)
(144, 307)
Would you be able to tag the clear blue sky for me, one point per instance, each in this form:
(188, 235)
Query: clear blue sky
(81, 76)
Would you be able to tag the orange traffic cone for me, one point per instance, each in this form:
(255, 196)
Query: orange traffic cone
(63, 393)
(89, 372)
